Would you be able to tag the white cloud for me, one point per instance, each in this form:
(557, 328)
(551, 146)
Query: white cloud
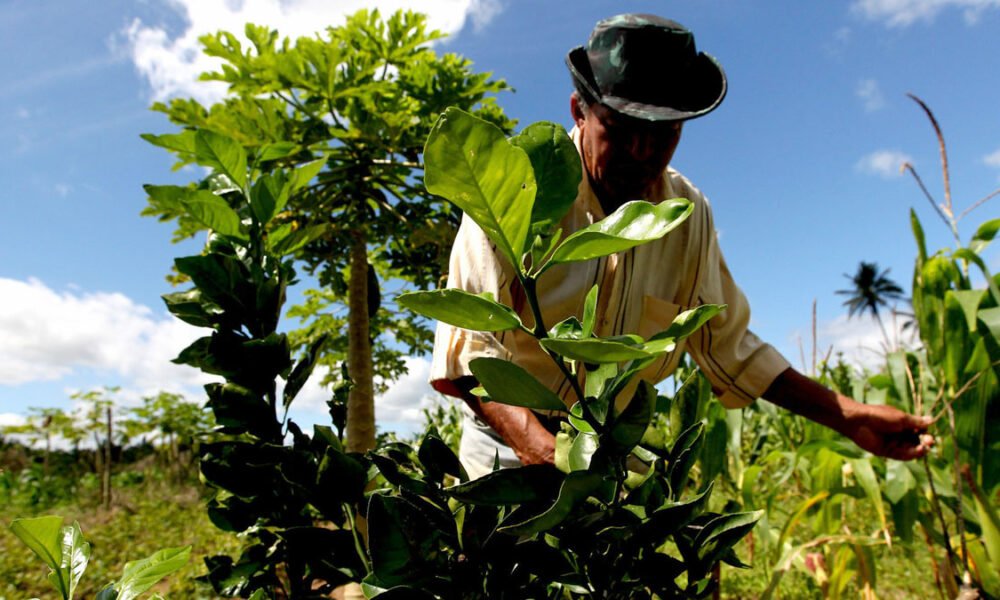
(400, 408)
(839, 42)
(860, 340)
(992, 160)
(884, 163)
(903, 13)
(57, 75)
(871, 96)
(8, 419)
(172, 64)
(46, 335)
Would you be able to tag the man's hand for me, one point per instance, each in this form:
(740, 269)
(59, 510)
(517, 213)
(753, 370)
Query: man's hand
(889, 432)
(881, 430)
(518, 426)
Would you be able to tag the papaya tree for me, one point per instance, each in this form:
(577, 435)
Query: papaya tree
(354, 103)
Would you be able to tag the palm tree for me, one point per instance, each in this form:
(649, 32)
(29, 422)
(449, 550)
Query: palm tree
(870, 290)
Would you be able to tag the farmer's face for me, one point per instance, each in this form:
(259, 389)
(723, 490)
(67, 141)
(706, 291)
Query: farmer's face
(624, 157)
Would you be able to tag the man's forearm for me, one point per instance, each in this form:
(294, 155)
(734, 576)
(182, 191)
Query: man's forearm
(797, 393)
(518, 426)
(880, 429)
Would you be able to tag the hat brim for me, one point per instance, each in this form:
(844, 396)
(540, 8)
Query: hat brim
(705, 89)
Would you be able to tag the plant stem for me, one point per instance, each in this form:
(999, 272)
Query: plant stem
(959, 520)
(936, 504)
(541, 332)
(358, 545)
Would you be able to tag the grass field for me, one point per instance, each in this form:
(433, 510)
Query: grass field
(153, 513)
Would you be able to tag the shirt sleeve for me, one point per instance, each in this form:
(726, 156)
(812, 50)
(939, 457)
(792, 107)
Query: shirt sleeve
(474, 267)
(739, 365)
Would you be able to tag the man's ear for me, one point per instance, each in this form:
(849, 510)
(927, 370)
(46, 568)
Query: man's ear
(575, 109)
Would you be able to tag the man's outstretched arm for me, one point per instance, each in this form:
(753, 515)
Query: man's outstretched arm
(881, 430)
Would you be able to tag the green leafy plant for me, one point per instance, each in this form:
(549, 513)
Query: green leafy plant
(315, 517)
(66, 553)
(614, 533)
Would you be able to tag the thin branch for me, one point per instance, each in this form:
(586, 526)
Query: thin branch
(936, 506)
(965, 388)
(916, 400)
(995, 192)
(907, 166)
(944, 155)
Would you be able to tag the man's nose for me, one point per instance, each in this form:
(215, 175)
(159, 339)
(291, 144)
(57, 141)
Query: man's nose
(643, 146)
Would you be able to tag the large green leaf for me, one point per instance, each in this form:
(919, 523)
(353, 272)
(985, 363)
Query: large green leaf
(237, 411)
(303, 369)
(966, 254)
(897, 365)
(631, 424)
(984, 235)
(340, 478)
(898, 481)
(594, 350)
(577, 486)
(590, 312)
(581, 451)
(918, 235)
(75, 555)
(634, 223)
(462, 309)
(180, 143)
(223, 154)
(969, 301)
(276, 150)
(188, 307)
(509, 486)
(865, 476)
(989, 522)
(392, 556)
(841, 447)
(956, 340)
(289, 242)
(508, 383)
(683, 455)
(213, 212)
(268, 195)
(44, 536)
(719, 535)
(556, 164)
(670, 519)
(469, 162)
(438, 459)
(140, 575)
(690, 321)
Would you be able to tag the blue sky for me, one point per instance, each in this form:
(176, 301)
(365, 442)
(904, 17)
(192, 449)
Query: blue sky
(801, 161)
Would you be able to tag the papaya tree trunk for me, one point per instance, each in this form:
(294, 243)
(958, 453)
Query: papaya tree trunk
(107, 463)
(361, 401)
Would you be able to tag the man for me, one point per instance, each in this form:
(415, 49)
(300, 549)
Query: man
(637, 81)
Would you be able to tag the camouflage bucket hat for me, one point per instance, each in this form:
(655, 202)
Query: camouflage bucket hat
(647, 67)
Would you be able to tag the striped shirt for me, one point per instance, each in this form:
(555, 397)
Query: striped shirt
(640, 291)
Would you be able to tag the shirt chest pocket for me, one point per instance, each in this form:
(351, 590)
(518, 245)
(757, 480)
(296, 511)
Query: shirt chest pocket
(657, 315)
